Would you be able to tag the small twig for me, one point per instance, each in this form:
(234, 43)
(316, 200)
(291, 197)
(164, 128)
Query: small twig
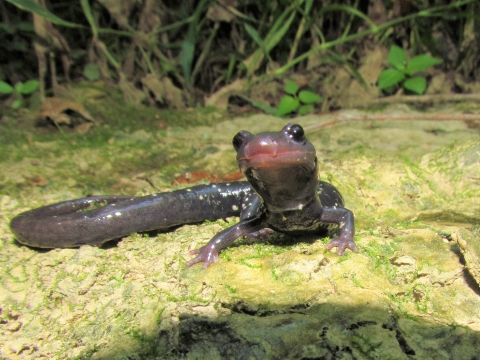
(403, 117)
(425, 98)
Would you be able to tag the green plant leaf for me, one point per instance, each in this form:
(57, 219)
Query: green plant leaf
(91, 72)
(18, 87)
(287, 105)
(422, 62)
(389, 90)
(21, 46)
(256, 37)
(397, 57)
(416, 84)
(33, 7)
(308, 6)
(87, 11)
(8, 28)
(188, 50)
(25, 26)
(188, 45)
(351, 10)
(17, 104)
(279, 28)
(276, 33)
(350, 68)
(389, 78)
(5, 88)
(308, 97)
(264, 107)
(306, 109)
(29, 87)
(291, 87)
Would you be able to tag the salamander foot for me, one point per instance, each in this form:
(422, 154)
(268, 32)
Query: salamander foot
(342, 244)
(205, 254)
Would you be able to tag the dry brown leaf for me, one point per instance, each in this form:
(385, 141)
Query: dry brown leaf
(36, 180)
(220, 98)
(83, 128)
(120, 10)
(130, 93)
(219, 10)
(54, 109)
(164, 90)
(150, 17)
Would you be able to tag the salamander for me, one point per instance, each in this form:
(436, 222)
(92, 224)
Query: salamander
(282, 194)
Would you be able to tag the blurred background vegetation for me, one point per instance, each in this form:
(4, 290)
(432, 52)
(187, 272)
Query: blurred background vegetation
(237, 54)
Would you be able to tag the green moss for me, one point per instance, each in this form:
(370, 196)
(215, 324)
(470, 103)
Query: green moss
(244, 261)
(273, 271)
(231, 289)
(356, 281)
(380, 255)
(365, 344)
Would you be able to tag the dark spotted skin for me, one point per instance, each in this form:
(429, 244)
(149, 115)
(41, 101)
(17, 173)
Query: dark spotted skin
(282, 194)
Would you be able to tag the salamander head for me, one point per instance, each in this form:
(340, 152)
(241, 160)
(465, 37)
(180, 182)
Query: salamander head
(281, 166)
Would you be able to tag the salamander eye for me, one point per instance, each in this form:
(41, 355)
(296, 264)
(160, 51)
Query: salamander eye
(239, 139)
(296, 132)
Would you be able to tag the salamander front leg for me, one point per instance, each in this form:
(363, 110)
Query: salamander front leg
(346, 229)
(208, 254)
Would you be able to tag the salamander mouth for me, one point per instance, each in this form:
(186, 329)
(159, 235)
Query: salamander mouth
(286, 159)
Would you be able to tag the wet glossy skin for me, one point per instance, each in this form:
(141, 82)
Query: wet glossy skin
(282, 193)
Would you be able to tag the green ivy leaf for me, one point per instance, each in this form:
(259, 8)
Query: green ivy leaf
(416, 84)
(29, 87)
(306, 109)
(389, 77)
(291, 88)
(397, 57)
(5, 88)
(308, 97)
(287, 105)
(422, 62)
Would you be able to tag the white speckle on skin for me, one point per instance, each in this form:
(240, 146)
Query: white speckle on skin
(109, 216)
(118, 213)
(214, 186)
(189, 189)
(200, 197)
(234, 207)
